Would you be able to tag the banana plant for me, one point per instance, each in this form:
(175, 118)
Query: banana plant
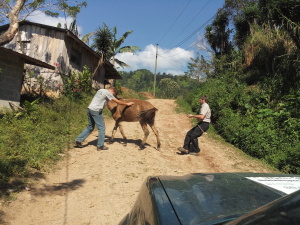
(28, 108)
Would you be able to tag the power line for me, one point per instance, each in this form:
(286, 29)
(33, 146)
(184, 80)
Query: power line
(174, 22)
(188, 37)
(192, 34)
(172, 62)
(181, 32)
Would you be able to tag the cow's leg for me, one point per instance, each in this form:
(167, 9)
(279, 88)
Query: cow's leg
(111, 140)
(122, 132)
(146, 134)
(157, 136)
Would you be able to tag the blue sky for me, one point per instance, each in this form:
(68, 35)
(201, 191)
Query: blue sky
(175, 25)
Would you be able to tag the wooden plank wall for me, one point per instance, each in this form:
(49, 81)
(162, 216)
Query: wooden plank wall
(54, 46)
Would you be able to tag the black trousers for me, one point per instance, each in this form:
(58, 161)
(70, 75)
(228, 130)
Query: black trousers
(191, 137)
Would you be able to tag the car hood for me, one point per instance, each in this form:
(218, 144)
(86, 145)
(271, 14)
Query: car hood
(215, 198)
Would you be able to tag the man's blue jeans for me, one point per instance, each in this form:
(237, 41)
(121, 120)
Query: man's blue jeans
(94, 117)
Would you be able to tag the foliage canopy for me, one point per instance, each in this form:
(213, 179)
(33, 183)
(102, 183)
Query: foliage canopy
(254, 84)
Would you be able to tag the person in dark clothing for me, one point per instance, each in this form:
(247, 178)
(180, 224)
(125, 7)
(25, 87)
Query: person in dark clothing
(190, 145)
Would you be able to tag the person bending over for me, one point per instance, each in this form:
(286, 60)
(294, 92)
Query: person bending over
(95, 117)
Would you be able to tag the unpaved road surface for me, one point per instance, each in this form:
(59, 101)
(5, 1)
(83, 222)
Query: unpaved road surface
(91, 187)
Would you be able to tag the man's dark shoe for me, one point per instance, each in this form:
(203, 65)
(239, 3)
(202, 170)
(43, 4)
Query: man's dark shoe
(183, 150)
(78, 144)
(102, 148)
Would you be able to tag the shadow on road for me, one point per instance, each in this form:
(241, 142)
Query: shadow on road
(119, 140)
(58, 189)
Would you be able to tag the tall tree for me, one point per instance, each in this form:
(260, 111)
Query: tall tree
(15, 11)
(218, 34)
(107, 44)
(117, 48)
(169, 88)
(102, 42)
(199, 68)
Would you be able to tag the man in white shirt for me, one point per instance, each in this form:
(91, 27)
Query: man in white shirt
(191, 145)
(95, 117)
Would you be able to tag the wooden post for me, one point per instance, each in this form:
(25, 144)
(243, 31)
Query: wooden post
(154, 84)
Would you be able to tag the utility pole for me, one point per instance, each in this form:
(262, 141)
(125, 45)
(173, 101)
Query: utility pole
(154, 84)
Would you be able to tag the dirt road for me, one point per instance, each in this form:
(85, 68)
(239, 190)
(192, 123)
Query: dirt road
(89, 187)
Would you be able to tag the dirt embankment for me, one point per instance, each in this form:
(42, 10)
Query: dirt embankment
(89, 187)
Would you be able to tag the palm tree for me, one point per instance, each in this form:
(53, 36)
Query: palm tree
(116, 47)
(103, 41)
(86, 37)
(218, 34)
(107, 44)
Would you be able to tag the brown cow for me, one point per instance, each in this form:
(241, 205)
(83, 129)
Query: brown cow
(141, 111)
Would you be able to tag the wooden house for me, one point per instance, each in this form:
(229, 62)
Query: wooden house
(62, 49)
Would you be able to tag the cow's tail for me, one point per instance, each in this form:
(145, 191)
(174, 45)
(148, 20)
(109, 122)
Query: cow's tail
(148, 116)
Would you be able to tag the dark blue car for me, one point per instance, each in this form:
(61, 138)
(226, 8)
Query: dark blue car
(216, 198)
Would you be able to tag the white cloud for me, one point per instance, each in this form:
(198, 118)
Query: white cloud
(173, 61)
(42, 18)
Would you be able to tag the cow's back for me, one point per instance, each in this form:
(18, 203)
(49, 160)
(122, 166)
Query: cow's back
(131, 113)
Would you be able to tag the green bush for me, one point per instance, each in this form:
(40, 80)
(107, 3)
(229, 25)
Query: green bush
(36, 139)
(246, 117)
(77, 84)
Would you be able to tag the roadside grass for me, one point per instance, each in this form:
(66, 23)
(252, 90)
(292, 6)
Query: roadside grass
(32, 141)
(131, 94)
(183, 106)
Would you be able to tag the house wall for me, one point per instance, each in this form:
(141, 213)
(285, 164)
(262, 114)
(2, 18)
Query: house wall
(87, 59)
(11, 79)
(53, 46)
